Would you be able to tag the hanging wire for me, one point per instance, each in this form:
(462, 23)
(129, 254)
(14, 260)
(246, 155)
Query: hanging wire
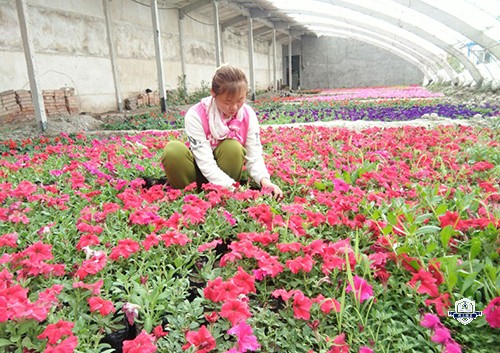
(201, 22)
(161, 8)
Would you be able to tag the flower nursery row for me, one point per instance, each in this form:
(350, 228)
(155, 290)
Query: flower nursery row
(287, 110)
(380, 232)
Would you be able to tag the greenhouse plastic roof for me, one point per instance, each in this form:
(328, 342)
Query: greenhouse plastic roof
(449, 40)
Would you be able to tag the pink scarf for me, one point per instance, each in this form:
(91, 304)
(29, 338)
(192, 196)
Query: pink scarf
(221, 128)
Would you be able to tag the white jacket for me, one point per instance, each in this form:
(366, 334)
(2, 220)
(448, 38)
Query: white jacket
(203, 151)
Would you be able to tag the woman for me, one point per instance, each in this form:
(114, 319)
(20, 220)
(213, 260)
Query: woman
(223, 132)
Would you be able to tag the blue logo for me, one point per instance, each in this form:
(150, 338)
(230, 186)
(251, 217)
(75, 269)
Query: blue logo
(465, 311)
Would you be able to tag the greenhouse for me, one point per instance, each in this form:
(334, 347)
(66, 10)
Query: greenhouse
(314, 176)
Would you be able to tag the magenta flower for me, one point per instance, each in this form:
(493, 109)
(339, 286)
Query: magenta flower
(441, 335)
(362, 290)
(452, 347)
(246, 339)
(430, 321)
(492, 313)
(365, 349)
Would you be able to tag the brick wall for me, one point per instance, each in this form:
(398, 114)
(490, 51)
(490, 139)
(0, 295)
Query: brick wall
(17, 106)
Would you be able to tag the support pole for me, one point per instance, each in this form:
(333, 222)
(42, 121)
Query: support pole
(29, 53)
(275, 82)
(290, 64)
(112, 55)
(159, 56)
(182, 51)
(217, 33)
(251, 57)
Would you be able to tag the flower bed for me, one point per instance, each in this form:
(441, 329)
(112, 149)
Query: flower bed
(383, 92)
(383, 104)
(380, 232)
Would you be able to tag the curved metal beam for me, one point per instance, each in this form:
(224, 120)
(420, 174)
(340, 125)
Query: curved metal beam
(455, 23)
(473, 70)
(440, 62)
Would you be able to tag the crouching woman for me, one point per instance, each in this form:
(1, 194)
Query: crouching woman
(223, 135)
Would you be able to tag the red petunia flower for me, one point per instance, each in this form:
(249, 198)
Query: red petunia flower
(105, 307)
(125, 248)
(244, 281)
(67, 345)
(54, 332)
(94, 288)
(441, 302)
(202, 340)
(143, 343)
(235, 310)
(9, 240)
(339, 345)
(301, 306)
(300, 263)
(427, 283)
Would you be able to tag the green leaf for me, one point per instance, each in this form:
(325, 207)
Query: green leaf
(441, 209)
(427, 230)
(469, 280)
(431, 247)
(319, 186)
(445, 236)
(5, 342)
(475, 247)
(404, 250)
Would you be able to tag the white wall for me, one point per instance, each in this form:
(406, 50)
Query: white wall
(71, 50)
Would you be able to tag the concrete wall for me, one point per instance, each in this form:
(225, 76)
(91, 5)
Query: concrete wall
(329, 62)
(71, 50)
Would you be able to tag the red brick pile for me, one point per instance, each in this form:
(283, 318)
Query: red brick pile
(142, 100)
(17, 106)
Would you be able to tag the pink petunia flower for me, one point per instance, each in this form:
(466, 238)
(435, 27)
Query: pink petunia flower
(362, 290)
(492, 313)
(441, 335)
(246, 339)
(365, 349)
(430, 321)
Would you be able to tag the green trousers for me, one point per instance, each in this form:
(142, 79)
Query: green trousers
(181, 169)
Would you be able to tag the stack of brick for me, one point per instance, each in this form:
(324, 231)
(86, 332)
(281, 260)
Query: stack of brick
(71, 101)
(148, 99)
(49, 102)
(153, 98)
(131, 104)
(25, 102)
(17, 106)
(60, 100)
(10, 107)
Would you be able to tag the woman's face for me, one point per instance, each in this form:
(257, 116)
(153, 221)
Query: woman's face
(229, 104)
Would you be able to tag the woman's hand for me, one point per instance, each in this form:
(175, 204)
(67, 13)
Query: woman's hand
(275, 189)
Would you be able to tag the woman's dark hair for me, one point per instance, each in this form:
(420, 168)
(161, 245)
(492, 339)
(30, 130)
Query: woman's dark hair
(229, 79)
